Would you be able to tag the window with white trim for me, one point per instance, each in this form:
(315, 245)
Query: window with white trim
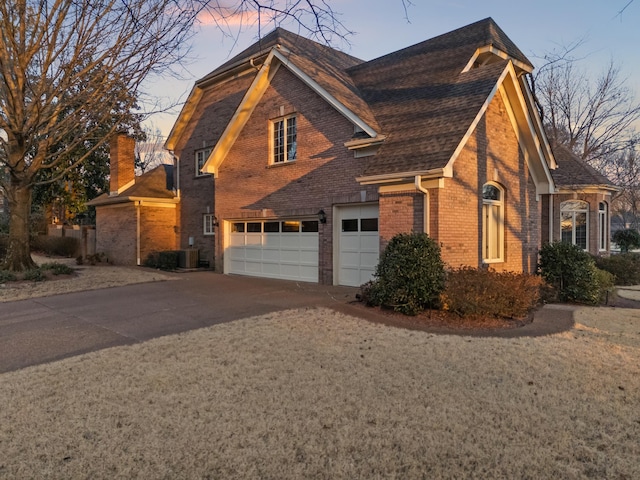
(492, 223)
(602, 226)
(574, 222)
(208, 221)
(284, 139)
(201, 157)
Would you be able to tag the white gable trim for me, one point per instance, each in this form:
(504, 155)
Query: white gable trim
(183, 118)
(523, 124)
(498, 53)
(315, 86)
(241, 115)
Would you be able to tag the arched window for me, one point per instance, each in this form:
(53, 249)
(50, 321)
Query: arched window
(602, 226)
(492, 223)
(574, 221)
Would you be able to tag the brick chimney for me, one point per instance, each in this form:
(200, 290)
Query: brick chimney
(121, 163)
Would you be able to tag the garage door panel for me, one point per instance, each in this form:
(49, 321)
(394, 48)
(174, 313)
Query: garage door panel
(271, 240)
(290, 256)
(271, 255)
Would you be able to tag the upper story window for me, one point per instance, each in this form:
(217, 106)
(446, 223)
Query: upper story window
(573, 222)
(492, 223)
(201, 157)
(284, 139)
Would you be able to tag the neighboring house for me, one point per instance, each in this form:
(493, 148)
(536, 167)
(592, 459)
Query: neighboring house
(140, 214)
(581, 206)
(298, 161)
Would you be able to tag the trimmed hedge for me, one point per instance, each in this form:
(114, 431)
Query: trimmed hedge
(625, 267)
(484, 292)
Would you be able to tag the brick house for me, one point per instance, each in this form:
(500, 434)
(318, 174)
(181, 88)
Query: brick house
(298, 161)
(139, 215)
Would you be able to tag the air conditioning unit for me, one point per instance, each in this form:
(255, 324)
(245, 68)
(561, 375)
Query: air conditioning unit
(188, 258)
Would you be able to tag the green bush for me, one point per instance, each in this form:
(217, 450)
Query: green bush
(572, 272)
(627, 239)
(624, 267)
(483, 292)
(56, 268)
(409, 277)
(34, 275)
(57, 246)
(7, 276)
(164, 260)
(605, 282)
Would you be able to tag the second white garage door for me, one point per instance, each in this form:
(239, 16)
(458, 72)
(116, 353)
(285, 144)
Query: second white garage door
(286, 249)
(358, 244)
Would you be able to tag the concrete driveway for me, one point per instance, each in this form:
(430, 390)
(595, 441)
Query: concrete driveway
(50, 328)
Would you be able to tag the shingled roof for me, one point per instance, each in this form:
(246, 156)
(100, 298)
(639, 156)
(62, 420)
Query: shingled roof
(325, 65)
(573, 172)
(156, 184)
(423, 98)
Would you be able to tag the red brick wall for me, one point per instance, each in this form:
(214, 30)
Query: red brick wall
(116, 231)
(401, 212)
(491, 154)
(323, 174)
(157, 230)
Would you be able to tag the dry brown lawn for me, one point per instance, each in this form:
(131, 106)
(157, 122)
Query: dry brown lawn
(86, 277)
(317, 394)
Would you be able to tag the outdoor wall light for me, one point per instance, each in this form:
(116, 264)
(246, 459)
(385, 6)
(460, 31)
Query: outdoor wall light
(322, 217)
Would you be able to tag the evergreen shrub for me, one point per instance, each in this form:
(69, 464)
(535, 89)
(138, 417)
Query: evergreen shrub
(409, 277)
(573, 274)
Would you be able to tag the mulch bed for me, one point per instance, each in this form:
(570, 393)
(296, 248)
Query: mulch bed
(439, 321)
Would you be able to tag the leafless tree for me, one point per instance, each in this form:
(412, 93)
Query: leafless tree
(593, 117)
(65, 64)
(150, 152)
(624, 170)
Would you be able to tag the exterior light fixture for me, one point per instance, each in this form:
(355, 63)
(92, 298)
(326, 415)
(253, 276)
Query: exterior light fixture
(322, 217)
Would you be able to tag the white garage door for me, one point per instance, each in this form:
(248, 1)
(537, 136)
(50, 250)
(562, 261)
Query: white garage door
(286, 249)
(359, 244)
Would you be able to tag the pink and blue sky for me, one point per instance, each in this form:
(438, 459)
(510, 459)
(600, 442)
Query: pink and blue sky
(609, 30)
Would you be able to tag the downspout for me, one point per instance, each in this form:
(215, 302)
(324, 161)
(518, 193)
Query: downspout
(138, 231)
(420, 188)
(551, 218)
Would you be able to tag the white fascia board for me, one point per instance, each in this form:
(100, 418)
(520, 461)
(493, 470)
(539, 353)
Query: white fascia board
(538, 123)
(183, 118)
(241, 115)
(499, 53)
(401, 176)
(529, 128)
(352, 117)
